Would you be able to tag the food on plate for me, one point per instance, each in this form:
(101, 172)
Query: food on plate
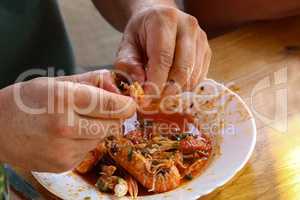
(92, 159)
(160, 154)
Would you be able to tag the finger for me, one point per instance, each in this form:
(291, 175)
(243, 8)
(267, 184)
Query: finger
(90, 101)
(204, 70)
(98, 103)
(75, 126)
(185, 55)
(129, 59)
(161, 40)
(89, 128)
(206, 64)
(198, 69)
(99, 78)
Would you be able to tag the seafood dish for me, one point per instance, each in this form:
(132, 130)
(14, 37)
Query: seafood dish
(160, 154)
(144, 159)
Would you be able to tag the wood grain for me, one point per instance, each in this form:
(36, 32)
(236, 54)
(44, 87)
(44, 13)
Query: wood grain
(259, 54)
(265, 51)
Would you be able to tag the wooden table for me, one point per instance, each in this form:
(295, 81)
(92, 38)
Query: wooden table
(264, 61)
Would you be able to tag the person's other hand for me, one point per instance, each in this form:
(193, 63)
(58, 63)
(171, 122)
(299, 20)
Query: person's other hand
(163, 46)
(50, 124)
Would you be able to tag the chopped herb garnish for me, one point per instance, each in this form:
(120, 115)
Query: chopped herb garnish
(188, 177)
(87, 198)
(130, 153)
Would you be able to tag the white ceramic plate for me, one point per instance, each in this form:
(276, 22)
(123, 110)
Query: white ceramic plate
(236, 146)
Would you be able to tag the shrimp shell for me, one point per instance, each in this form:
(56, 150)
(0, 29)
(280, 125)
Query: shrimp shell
(161, 181)
(91, 159)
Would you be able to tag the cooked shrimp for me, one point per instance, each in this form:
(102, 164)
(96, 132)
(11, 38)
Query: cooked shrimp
(92, 159)
(196, 167)
(191, 144)
(158, 154)
(161, 178)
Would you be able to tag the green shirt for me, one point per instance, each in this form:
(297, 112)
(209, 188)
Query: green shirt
(32, 35)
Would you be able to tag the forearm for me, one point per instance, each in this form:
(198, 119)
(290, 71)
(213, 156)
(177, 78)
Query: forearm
(4, 93)
(118, 12)
(2, 160)
(5, 122)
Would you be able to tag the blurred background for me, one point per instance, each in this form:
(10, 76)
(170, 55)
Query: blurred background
(94, 41)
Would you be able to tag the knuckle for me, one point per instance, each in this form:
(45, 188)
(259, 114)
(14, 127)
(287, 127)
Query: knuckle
(40, 80)
(59, 127)
(81, 100)
(192, 21)
(38, 84)
(171, 13)
(164, 13)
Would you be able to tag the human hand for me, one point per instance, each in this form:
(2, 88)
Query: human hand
(50, 124)
(165, 47)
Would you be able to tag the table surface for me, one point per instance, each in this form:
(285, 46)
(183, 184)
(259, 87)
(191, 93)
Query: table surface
(263, 60)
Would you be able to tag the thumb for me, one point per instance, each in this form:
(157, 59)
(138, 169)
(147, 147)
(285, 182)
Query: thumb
(100, 78)
(130, 61)
(98, 103)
